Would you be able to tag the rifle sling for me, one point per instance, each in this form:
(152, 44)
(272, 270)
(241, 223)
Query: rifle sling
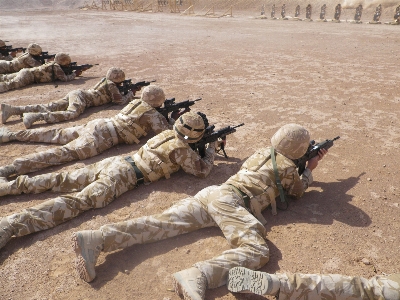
(277, 179)
(139, 174)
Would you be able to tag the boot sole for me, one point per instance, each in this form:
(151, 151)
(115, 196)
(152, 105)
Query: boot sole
(243, 280)
(80, 262)
(180, 290)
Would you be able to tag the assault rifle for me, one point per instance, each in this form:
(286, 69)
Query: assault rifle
(45, 55)
(211, 136)
(170, 106)
(127, 85)
(19, 49)
(312, 151)
(74, 67)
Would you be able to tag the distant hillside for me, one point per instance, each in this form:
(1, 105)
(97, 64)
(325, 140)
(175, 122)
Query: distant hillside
(238, 5)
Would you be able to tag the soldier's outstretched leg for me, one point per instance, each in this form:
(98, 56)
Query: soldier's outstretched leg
(21, 79)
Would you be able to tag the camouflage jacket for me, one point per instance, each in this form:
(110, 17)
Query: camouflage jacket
(50, 71)
(106, 91)
(23, 61)
(165, 154)
(136, 120)
(6, 57)
(256, 179)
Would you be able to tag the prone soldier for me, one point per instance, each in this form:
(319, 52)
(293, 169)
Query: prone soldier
(74, 103)
(5, 54)
(234, 206)
(134, 121)
(49, 72)
(30, 59)
(287, 286)
(97, 185)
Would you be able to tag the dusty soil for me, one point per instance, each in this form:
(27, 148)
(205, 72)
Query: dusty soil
(335, 79)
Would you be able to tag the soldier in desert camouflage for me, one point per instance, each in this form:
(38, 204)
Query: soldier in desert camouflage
(74, 103)
(80, 142)
(99, 184)
(49, 72)
(287, 286)
(29, 59)
(5, 54)
(234, 206)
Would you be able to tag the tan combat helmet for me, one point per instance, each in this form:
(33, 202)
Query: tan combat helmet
(62, 59)
(2, 44)
(116, 75)
(291, 140)
(34, 49)
(153, 95)
(189, 127)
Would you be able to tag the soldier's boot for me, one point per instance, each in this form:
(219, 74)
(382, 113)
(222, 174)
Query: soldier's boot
(30, 118)
(6, 135)
(243, 280)
(190, 283)
(6, 232)
(87, 245)
(9, 110)
(7, 171)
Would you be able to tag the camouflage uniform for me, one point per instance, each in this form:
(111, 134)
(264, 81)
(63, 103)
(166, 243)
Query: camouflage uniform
(25, 60)
(81, 142)
(100, 183)
(75, 102)
(314, 286)
(48, 72)
(6, 56)
(287, 286)
(222, 206)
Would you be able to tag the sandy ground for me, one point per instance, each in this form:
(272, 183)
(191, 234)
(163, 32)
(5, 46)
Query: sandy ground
(335, 79)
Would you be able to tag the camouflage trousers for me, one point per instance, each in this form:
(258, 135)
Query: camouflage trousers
(98, 185)
(338, 287)
(16, 80)
(212, 206)
(68, 108)
(80, 142)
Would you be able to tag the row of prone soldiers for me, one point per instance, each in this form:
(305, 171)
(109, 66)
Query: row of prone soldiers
(338, 12)
(234, 206)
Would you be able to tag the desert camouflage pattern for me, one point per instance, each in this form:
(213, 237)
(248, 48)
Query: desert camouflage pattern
(291, 140)
(93, 139)
(165, 154)
(136, 120)
(220, 206)
(25, 60)
(81, 142)
(6, 57)
(75, 102)
(48, 72)
(256, 179)
(96, 186)
(338, 287)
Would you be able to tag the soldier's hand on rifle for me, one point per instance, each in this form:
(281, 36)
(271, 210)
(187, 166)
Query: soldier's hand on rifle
(313, 162)
(50, 59)
(78, 72)
(13, 53)
(177, 113)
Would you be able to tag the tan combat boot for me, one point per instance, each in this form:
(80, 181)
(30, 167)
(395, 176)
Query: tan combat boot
(87, 245)
(5, 135)
(30, 118)
(6, 232)
(190, 283)
(8, 110)
(7, 171)
(242, 280)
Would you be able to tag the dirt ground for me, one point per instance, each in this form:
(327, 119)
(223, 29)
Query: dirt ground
(335, 79)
